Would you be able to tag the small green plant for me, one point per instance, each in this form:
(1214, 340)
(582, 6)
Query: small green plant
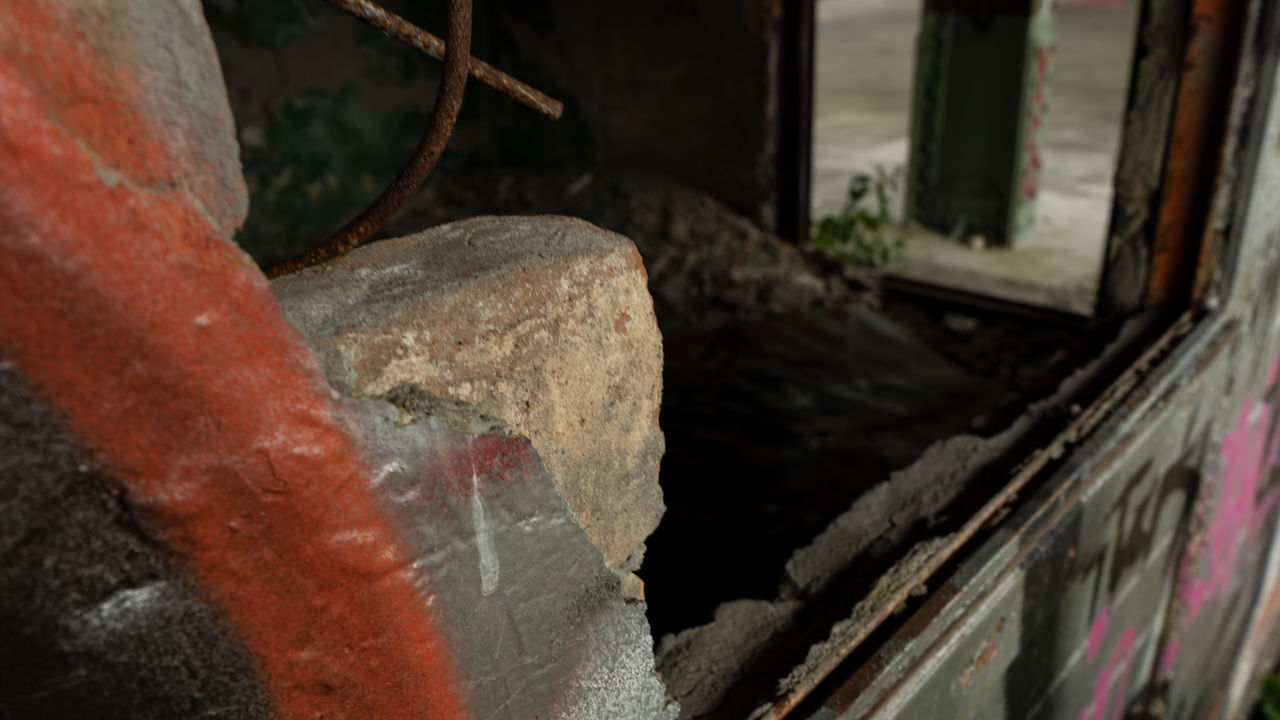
(862, 232)
(1271, 697)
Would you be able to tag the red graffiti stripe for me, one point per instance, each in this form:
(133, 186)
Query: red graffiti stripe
(161, 346)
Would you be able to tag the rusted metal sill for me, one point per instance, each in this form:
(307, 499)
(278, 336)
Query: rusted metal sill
(1076, 432)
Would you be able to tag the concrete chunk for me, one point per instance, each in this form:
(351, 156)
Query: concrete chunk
(536, 623)
(543, 322)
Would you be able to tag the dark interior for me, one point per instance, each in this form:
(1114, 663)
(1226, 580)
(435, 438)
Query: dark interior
(793, 383)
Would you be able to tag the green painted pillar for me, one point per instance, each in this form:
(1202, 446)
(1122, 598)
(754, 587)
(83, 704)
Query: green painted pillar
(980, 100)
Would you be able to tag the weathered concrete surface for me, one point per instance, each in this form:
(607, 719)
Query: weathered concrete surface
(159, 346)
(95, 620)
(545, 323)
(863, 73)
(538, 621)
(700, 662)
(240, 542)
(151, 64)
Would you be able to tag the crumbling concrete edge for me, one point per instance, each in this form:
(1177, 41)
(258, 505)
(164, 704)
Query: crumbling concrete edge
(589, 649)
(939, 476)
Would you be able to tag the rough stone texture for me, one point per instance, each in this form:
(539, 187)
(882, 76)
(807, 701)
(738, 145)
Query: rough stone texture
(156, 69)
(543, 322)
(94, 619)
(160, 347)
(538, 622)
(226, 537)
(696, 659)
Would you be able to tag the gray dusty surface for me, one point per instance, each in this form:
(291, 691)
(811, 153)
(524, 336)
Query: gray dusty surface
(95, 619)
(165, 47)
(536, 621)
(792, 390)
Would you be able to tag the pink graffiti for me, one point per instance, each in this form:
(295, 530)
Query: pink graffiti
(1121, 661)
(1030, 183)
(1238, 509)
(1169, 658)
(1248, 454)
(1098, 632)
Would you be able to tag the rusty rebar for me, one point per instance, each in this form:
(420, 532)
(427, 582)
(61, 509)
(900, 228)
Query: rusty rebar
(406, 32)
(453, 81)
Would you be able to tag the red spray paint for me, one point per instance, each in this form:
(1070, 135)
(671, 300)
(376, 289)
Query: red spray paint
(161, 347)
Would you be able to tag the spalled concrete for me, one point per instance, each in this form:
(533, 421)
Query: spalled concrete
(544, 322)
(192, 522)
(538, 621)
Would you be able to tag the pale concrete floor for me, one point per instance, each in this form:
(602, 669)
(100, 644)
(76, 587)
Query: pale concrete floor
(865, 56)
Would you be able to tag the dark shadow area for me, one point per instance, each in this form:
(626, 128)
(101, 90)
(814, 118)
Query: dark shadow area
(795, 385)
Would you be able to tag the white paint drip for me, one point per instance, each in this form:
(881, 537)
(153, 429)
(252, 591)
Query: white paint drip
(484, 540)
(386, 471)
(352, 536)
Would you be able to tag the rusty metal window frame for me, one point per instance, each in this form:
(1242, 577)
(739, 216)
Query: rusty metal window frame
(1165, 221)
(1161, 246)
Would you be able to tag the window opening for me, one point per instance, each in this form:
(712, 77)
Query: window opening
(993, 128)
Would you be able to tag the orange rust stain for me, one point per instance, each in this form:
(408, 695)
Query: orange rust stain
(1195, 144)
(983, 658)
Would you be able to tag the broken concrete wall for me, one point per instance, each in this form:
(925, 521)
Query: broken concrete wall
(544, 322)
(195, 523)
(537, 623)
